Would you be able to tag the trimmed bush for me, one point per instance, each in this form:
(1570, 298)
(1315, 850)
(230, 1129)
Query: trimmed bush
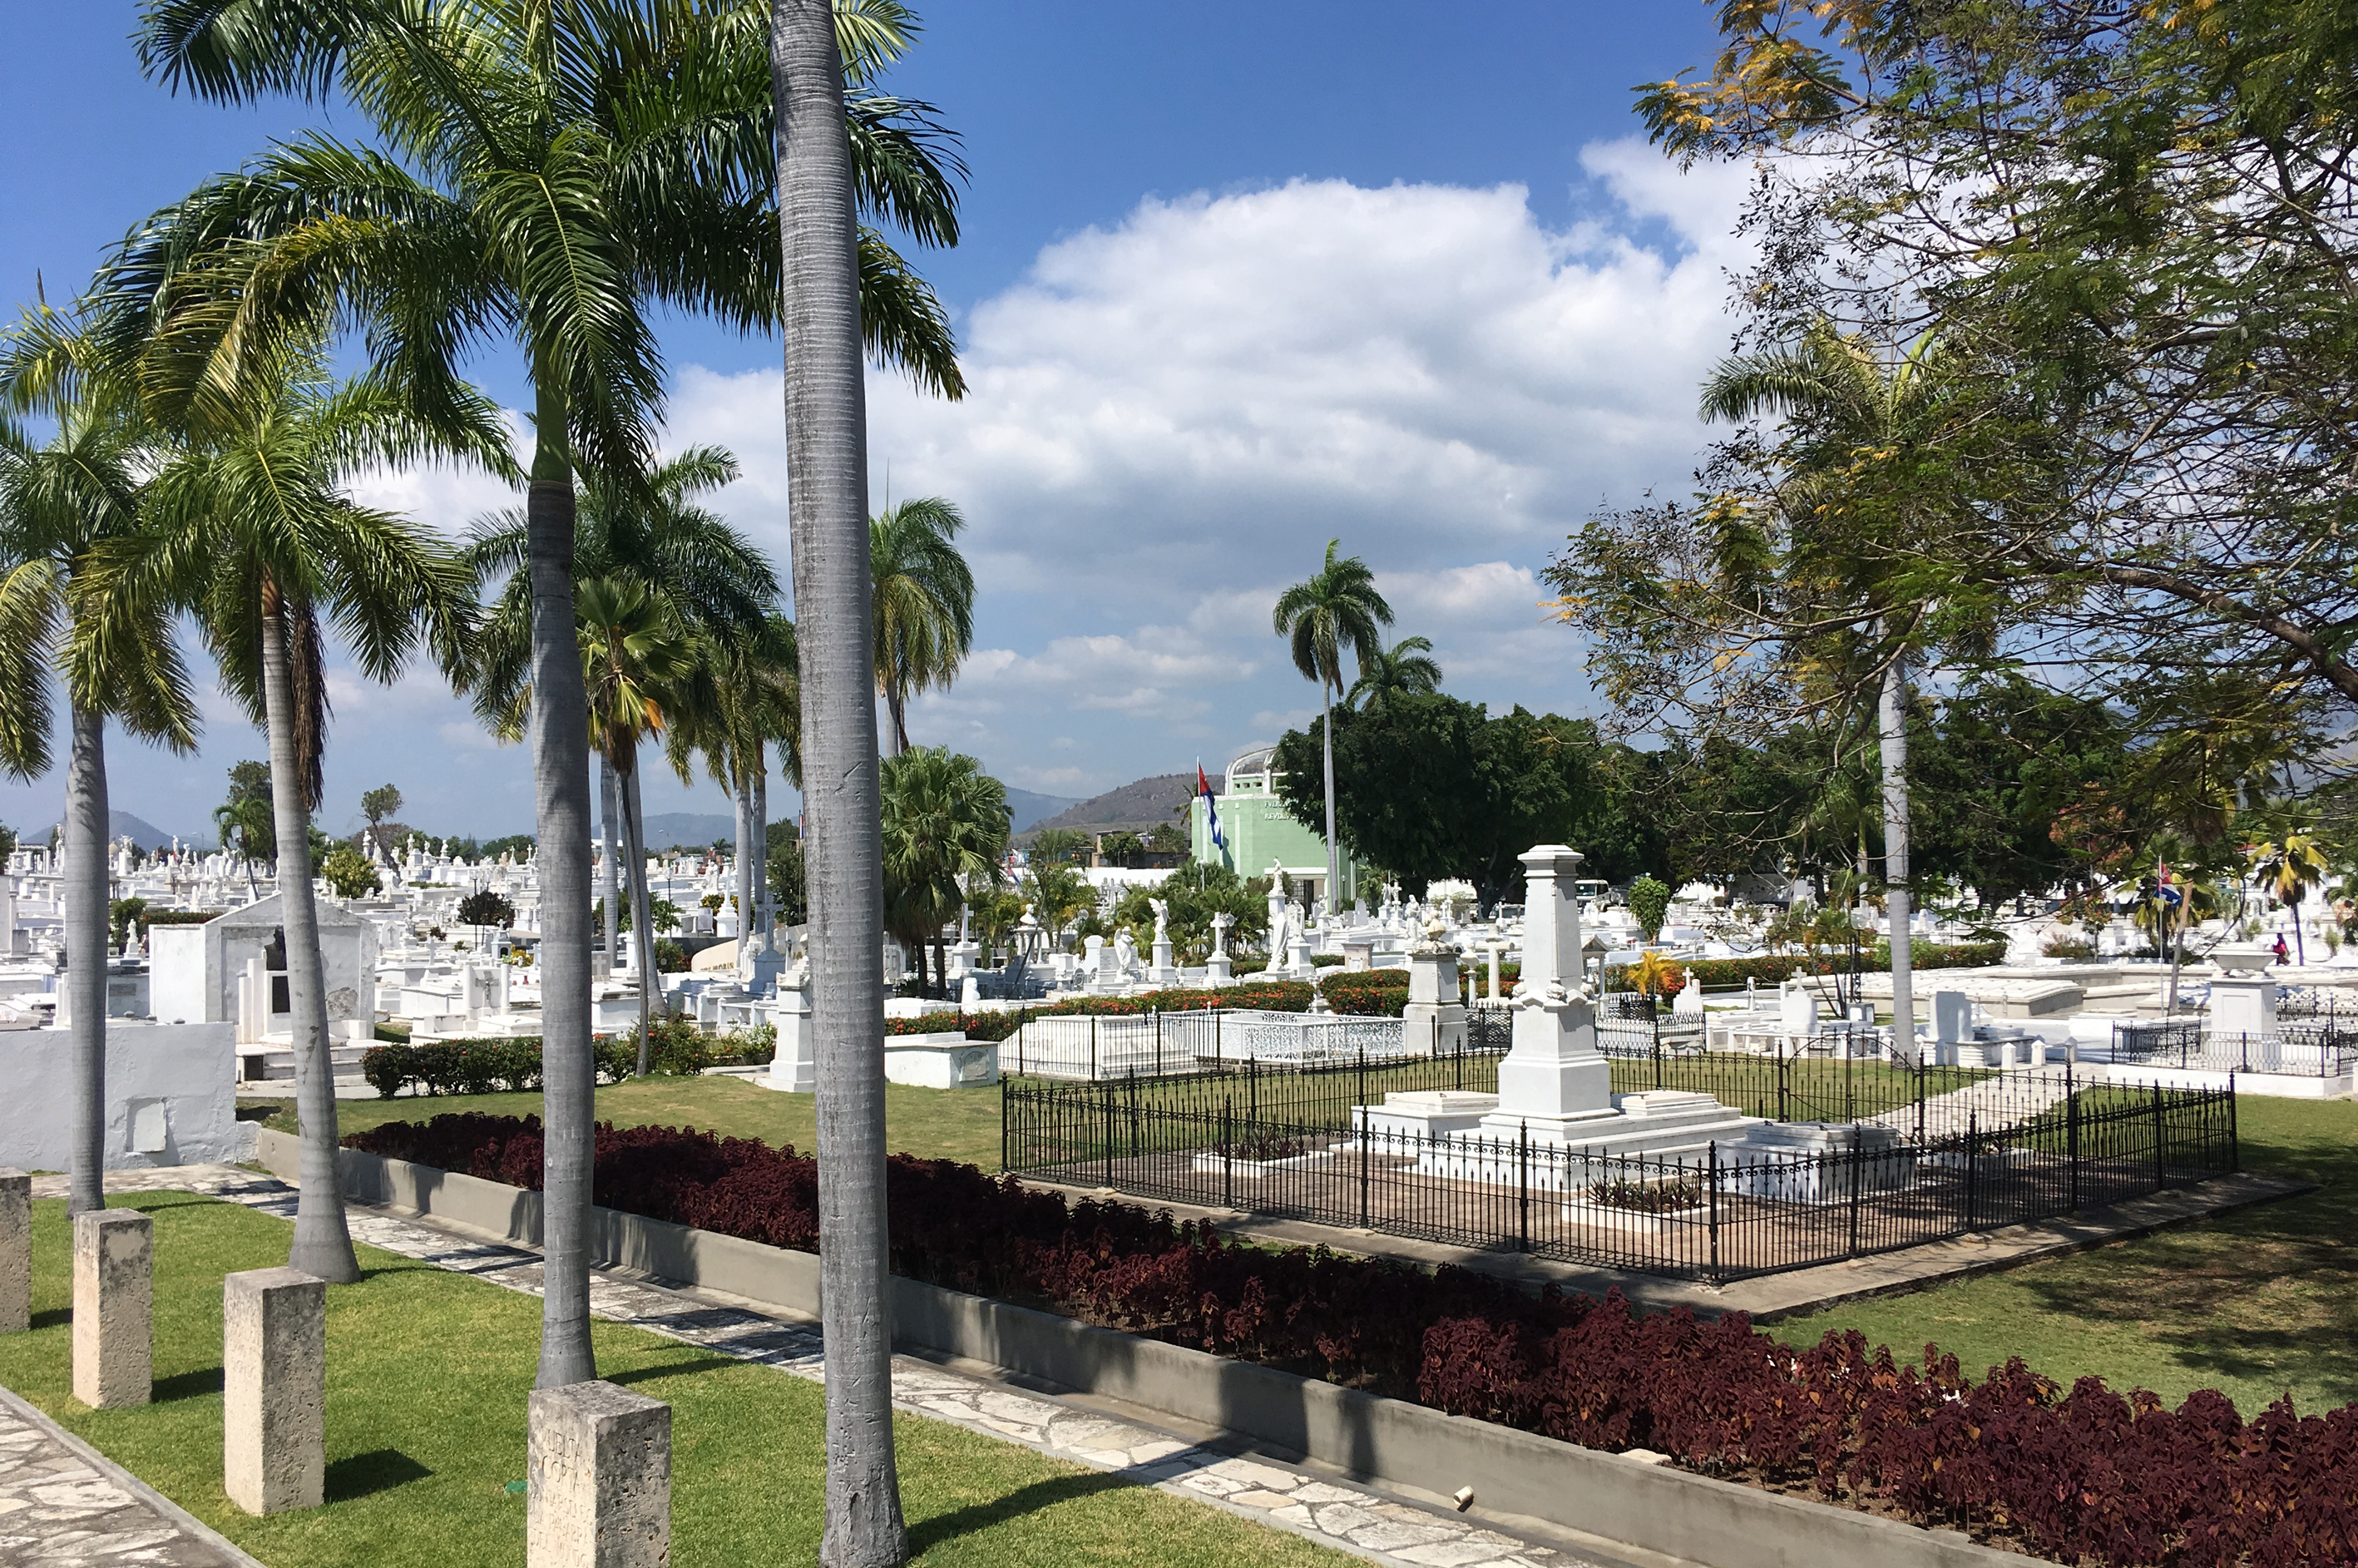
(1372, 993)
(2082, 1475)
(1775, 969)
(1271, 996)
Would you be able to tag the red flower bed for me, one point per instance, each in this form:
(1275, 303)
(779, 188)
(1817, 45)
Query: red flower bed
(2085, 1475)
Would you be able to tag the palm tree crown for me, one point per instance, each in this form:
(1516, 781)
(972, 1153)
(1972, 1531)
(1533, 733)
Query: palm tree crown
(946, 831)
(924, 603)
(1337, 607)
(1405, 669)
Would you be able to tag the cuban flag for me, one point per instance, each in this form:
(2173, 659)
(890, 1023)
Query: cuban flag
(1211, 807)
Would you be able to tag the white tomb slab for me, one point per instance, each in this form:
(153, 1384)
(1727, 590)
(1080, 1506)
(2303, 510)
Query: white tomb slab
(943, 1061)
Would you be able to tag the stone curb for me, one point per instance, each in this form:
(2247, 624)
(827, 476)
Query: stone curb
(1614, 1497)
(171, 1513)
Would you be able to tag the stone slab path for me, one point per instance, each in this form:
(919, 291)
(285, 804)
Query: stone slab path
(1384, 1528)
(62, 1502)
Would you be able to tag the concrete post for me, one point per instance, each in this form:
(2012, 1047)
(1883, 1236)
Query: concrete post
(273, 1390)
(16, 1251)
(113, 1288)
(598, 1479)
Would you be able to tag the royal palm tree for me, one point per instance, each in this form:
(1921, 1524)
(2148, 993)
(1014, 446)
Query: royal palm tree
(1058, 846)
(634, 651)
(61, 502)
(1405, 669)
(946, 826)
(1321, 615)
(827, 503)
(924, 603)
(2289, 870)
(250, 527)
(745, 697)
(1847, 402)
(653, 531)
(551, 175)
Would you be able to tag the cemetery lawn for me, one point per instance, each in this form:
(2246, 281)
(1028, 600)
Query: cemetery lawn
(943, 1124)
(2256, 1303)
(428, 1375)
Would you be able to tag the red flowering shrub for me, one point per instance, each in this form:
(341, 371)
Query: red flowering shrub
(2082, 1476)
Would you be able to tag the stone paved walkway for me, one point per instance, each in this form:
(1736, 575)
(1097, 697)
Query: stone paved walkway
(61, 1504)
(1366, 1524)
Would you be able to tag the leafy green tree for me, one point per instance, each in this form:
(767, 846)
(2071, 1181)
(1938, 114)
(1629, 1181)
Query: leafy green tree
(663, 915)
(1407, 666)
(380, 806)
(1120, 848)
(1194, 894)
(1166, 839)
(945, 831)
(1319, 616)
(1059, 847)
(349, 873)
(1649, 905)
(923, 612)
(789, 880)
(1059, 895)
(243, 823)
(2136, 215)
(1435, 788)
(486, 907)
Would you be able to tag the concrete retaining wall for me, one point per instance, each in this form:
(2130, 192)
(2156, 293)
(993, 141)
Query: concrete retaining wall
(1380, 1440)
(171, 1097)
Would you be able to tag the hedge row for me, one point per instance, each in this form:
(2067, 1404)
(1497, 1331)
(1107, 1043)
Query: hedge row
(2082, 1475)
(1774, 969)
(488, 1066)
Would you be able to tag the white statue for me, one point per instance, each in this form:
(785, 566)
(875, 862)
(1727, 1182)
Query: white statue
(1162, 918)
(1125, 951)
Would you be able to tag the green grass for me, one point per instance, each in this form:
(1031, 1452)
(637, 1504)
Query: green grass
(428, 1377)
(2256, 1303)
(953, 1124)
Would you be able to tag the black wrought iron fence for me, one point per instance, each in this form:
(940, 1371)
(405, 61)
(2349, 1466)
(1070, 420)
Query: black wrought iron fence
(1726, 1209)
(2319, 1044)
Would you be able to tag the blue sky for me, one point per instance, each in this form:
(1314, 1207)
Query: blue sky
(1236, 279)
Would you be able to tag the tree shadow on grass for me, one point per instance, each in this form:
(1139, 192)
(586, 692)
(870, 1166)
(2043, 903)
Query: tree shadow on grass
(186, 1386)
(1015, 1505)
(672, 1370)
(54, 1317)
(379, 1470)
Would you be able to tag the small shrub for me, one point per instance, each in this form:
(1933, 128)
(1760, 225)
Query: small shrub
(2072, 947)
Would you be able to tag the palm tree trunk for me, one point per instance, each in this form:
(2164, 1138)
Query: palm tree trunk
(744, 878)
(1893, 717)
(896, 704)
(86, 932)
(634, 849)
(827, 477)
(560, 777)
(760, 872)
(1333, 854)
(610, 796)
(323, 1243)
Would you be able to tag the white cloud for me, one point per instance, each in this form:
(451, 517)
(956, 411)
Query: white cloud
(1169, 418)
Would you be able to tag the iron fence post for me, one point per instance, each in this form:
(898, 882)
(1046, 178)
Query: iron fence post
(1093, 1046)
(1105, 1089)
(2161, 1163)
(1919, 1098)
(1218, 1062)
(1523, 1186)
(1228, 1164)
(2071, 1140)
(1856, 1155)
(1158, 1042)
(2235, 1139)
(1363, 1166)
(1711, 1177)
(1783, 1072)
(1973, 1162)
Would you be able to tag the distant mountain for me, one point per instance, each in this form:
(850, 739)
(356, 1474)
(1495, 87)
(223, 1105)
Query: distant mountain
(1137, 805)
(1030, 809)
(145, 834)
(689, 831)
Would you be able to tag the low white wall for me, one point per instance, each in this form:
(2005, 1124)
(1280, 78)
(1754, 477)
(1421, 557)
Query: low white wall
(189, 1068)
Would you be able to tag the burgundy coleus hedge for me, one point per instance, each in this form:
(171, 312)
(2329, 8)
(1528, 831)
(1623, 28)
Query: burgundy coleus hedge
(2082, 1475)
